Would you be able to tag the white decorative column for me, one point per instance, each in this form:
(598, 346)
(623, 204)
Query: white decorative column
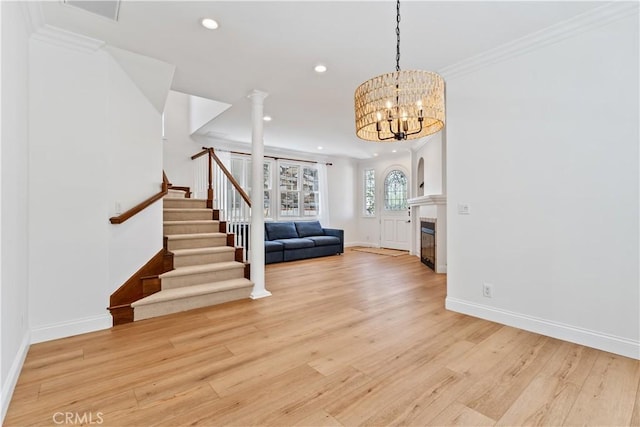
(256, 243)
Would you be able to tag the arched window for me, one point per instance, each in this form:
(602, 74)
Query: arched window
(395, 191)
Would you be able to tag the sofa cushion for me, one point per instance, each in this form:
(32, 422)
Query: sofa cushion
(280, 230)
(309, 228)
(270, 246)
(324, 240)
(297, 243)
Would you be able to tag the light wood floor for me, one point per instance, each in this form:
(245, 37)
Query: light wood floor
(358, 339)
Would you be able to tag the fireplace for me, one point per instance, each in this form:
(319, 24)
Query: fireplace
(428, 242)
(429, 235)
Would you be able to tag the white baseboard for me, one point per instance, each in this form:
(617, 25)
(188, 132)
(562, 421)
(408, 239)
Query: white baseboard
(599, 340)
(70, 328)
(441, 268)
(12, 376)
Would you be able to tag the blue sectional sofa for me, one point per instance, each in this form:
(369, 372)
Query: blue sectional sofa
(288, 241)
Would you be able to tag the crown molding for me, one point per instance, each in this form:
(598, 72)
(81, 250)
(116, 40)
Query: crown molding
(59, 37)
(591, 19)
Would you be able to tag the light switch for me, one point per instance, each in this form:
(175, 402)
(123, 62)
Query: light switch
(464, 209)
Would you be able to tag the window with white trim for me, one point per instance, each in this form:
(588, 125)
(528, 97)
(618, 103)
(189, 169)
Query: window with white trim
(266, 170)
(299, 191)
(369, 204)
(310, 191)
(240, 168)
(289, 190)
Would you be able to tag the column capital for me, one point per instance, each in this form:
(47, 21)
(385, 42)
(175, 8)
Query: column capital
(257, 95)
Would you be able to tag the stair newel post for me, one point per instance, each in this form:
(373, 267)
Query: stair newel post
(210, 176)
(256, 228)
(165, 183)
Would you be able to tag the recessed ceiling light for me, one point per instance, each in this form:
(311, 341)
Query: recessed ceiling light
(209, 24)
(375, 154)
(394, 151)
(320, 68)
(319, 148)
(267, 118)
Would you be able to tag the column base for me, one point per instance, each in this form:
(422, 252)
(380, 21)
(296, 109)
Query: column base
(262, 293)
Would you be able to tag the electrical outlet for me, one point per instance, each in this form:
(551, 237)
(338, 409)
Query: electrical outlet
(487, 290)
(118, 208)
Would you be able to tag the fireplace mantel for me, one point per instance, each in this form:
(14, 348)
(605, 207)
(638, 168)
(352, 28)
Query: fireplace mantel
(432, 199)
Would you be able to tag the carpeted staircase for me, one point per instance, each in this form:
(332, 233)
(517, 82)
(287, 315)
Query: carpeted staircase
(205, 273)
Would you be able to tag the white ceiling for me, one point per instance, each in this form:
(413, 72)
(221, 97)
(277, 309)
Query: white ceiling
(273, 46)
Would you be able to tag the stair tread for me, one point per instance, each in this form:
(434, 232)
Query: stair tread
(194, 235)
(201, 251)
(193, 290)
(202, 268)
(191, 221)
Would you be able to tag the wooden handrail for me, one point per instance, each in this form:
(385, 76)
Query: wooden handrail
(165, 181)
(143, 205)
(233, 181)
(139, 207)
(200, 154)
(223, 168)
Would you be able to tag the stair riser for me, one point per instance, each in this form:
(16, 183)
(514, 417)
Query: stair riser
(196, 243)
(200, 278)
(213, 227)
(184, 203)
(186, 260)
(184, 304)
(188, 215)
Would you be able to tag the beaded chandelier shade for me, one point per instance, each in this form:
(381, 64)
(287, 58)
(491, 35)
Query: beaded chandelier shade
(401, 105)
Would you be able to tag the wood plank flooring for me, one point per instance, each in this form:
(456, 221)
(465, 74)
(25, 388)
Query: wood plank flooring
(357, 339)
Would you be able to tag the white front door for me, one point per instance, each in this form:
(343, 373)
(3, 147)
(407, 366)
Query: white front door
(395, 227)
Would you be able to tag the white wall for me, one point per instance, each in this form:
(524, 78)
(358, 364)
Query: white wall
(431, 152)
(544, 148)
(368, 228)
(178, 145)
(134, 139)
(14, 335)
(95, 140)
(342, 193)
(68, 234)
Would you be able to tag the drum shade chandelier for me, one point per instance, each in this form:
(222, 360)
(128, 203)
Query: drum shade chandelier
(405, 104)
